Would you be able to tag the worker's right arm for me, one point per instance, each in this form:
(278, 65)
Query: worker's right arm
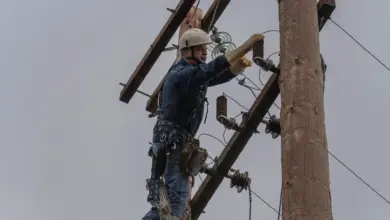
(203, 73)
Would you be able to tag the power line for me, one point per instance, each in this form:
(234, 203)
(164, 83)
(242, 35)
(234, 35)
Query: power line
(360, 178)
(332, 155)
(356, 41)
(265, 202)
(249, 189)
(280, 202)
(234, 100)
(337, 159)
(250, 202)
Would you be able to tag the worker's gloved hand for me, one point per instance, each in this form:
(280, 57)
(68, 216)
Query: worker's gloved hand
(245, 62)
(240, 65)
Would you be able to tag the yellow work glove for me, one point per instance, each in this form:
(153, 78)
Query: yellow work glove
(245, 62)
(239, 66)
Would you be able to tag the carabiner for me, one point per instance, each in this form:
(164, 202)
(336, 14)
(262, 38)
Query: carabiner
(163, 137)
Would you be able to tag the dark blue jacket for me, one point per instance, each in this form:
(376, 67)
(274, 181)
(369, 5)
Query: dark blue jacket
(184, 91)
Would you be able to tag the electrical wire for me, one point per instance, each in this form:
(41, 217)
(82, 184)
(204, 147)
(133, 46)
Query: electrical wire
(272, 54)
(224, 131)
(360, 178)
(250, 202)
(265, 202)
(249, 189)
(261, 82)
(332, 155)
(280, 200)
(380, 62)
(234, 100)
(223, 135)
(361, 45)
(336, 158)
(241, 82)
(212, 136)
(280, 203)
(272, 30)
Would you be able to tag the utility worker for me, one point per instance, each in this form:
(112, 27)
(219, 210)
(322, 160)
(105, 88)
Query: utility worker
(183, 97)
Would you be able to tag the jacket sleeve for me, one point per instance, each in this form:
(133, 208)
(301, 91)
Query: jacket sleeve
(204, 73)
(223, 77)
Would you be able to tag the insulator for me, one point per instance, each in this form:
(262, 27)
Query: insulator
(258, 50)
(221, 106)
(220, 38)
(267, 65)
(222, 49)
(240, 180)
(273, 127)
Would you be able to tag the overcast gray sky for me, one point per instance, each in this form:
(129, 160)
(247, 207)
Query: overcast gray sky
(69, 150)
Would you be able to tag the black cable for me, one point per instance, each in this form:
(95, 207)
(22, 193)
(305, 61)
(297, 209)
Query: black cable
(234, 100)
(212, 136)
(242, 83)
(250, 202)
(265, 202)
(223, 135)
(224, 131)
(360, 178)
(251, 81)
(272, 30)
(272, 54)
(356, 41)
(253, 93)
(250, 190)
(280, 203)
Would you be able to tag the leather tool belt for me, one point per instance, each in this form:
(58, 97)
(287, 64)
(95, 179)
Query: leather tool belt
(192, 158)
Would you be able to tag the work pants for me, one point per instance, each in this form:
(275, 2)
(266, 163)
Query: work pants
(176, 183)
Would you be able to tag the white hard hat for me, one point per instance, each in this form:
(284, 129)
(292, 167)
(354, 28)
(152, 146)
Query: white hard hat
(194, 37)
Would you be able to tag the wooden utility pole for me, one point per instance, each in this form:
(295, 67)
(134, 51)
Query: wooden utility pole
(306, 185)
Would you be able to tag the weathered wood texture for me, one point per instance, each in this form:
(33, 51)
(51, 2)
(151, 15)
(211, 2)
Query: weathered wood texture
(305, 165)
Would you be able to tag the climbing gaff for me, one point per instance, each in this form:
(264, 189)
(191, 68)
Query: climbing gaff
(163, 206)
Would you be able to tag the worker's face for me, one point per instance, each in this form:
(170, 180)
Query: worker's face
(199, 52)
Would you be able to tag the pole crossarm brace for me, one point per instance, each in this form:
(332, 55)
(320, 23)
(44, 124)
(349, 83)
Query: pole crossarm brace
(155, 50)
(235, 145)
(220, 6)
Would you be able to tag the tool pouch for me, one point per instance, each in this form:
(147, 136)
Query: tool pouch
(192, 158)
